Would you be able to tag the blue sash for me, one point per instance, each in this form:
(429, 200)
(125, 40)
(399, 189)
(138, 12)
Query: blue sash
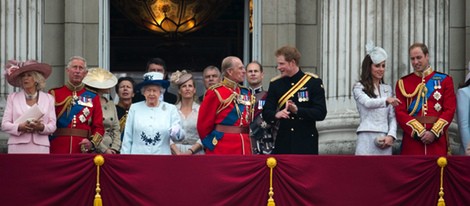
(430, 87)
(230, 119)
(64, 120)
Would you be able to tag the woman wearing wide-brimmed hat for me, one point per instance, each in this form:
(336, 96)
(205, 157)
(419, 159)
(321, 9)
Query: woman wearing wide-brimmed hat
(151, 123)
(188, 110)
(100, 81)
(33, 107)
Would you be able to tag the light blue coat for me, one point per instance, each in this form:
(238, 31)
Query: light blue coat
(147, 129)
(463, 116)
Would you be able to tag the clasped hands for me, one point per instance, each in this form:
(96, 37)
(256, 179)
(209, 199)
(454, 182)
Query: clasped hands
(31, 126)
(428, 137)
(290, 108)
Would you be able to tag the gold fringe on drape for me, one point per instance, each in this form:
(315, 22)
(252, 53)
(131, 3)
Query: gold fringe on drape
(442, 162)
(99, 161)
(271, 162)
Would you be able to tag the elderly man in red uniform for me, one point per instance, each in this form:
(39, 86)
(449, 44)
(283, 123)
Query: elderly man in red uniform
(225, 114)
(428, 106)
(79, 114)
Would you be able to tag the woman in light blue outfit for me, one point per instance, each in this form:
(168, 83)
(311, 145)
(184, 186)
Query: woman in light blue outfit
(151, 123)
(374, 100)
(188, 110)
(463, 113)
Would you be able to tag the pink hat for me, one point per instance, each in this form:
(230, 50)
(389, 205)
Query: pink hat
(14, 69)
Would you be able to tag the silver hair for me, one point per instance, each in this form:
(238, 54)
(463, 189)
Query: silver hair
(69, 64)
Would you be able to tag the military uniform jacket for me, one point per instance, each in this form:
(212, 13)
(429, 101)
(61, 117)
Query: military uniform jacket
(228, 104)
(298, 134)
(425, 95)
(260, 132)
(89, 116)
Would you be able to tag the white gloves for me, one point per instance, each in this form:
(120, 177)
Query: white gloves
(176, 132)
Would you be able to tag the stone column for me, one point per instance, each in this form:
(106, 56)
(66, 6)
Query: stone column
(20, 38)
(393, 25)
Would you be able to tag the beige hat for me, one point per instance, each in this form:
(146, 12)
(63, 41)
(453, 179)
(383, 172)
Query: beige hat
(14, 69)
(100, 78)
(180, 78)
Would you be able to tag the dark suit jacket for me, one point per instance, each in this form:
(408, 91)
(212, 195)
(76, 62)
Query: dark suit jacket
(298, 134)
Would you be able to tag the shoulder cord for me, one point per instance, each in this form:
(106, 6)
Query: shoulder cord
(421, 89)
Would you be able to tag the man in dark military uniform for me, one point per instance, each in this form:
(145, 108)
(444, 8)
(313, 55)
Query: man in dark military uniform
(261, 139)
(295, 101)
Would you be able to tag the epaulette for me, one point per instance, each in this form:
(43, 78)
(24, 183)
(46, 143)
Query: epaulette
(311, 74)
(215, 86)
(276, 78)
(52, 91)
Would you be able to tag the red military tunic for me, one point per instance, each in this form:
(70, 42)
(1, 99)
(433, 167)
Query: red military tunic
(435, 102)
(224, 119)
(82, 117)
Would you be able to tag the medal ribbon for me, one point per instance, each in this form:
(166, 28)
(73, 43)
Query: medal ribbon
(292, 91)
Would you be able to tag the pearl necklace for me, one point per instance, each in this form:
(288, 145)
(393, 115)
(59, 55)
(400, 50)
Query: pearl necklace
(31, 96)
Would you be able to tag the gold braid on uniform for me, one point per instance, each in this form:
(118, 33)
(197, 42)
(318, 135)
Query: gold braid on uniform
(224, 103)
(67, 101)
(417, 127)
(438, 127)
(419, 90)
(122, 122)
(67, 105)
(96, 139)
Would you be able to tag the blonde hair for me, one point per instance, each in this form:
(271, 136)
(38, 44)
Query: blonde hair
(38, 78)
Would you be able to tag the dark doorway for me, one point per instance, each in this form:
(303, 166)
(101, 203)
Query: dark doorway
(131, 46)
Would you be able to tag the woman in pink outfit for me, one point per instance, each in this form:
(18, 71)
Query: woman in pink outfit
(31, 105)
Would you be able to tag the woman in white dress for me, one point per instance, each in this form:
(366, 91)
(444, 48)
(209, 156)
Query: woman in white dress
(188, 110)
(151, 123)
(374, 100)
(100, 81)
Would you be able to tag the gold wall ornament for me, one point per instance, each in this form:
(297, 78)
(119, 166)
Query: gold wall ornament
(171, 18)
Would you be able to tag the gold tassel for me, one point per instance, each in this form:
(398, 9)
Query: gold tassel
(271, 162)
(442, 162)
(99, 161)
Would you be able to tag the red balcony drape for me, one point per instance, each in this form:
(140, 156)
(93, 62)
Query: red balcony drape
(232, 180)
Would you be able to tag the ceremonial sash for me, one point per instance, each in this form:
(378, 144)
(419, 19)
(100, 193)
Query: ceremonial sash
(211, 140)
(292, 91)
(64, 119)
(430, 89)
(232, 117)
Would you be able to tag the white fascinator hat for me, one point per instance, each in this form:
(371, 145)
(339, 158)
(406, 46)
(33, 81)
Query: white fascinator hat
(377, 54)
